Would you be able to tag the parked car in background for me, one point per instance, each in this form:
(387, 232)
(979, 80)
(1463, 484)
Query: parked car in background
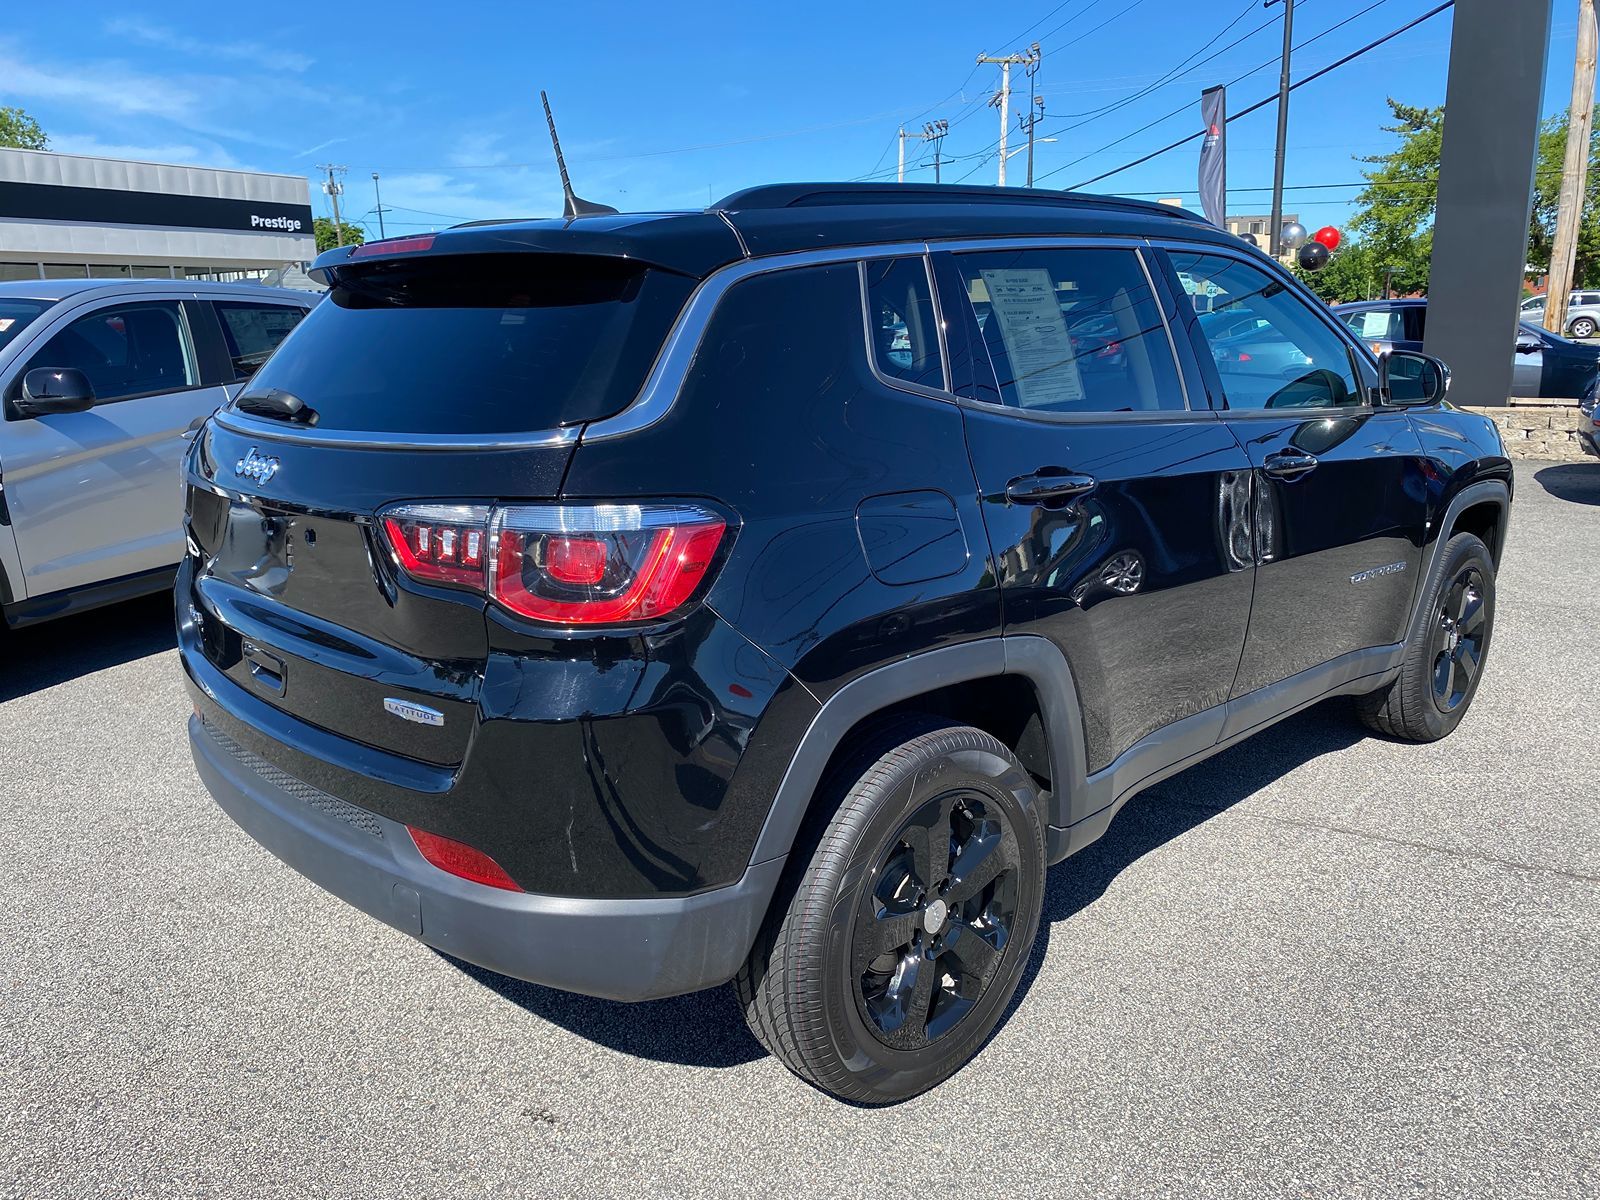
(1589, 422)
(104, 383)
(1582, 318)
(1543, 364)
(636, 603)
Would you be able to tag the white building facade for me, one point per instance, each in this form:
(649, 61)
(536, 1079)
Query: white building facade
(69, 216)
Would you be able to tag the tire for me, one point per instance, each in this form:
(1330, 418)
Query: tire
(1583, 327)
(829, 988)
(1445, 654)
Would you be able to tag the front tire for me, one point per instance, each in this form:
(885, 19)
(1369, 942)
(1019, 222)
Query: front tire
(911, 920)
(1583, 327)
(1444, 656)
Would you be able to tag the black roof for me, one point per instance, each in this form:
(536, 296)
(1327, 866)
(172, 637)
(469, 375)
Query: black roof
(785, 217)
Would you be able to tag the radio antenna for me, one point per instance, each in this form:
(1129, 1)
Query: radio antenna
(575, 206)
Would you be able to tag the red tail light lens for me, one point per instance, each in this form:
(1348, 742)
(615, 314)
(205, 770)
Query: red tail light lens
(601, 564)
(394, 245)
(461, 860)
(563, 564)
(441, 543)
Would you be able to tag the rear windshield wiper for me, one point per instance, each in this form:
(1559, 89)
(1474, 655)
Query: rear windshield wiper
(278, 404)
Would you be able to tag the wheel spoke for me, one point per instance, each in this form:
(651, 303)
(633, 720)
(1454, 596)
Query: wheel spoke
(1467, 660)
(930, 846)
(920, 1001)
(886, 933)
(1444, 675)
(978, 863)
(974, 952)
(1471, 618)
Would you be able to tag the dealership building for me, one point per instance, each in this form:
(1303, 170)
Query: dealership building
(69, 216)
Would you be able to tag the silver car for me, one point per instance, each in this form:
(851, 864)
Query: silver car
(103, 383)
(1583, 313)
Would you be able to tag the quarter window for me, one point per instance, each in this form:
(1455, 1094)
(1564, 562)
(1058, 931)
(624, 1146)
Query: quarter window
(128, 350)
(900, 322)
(1270, 347)
(1071, 330)
(253, 331)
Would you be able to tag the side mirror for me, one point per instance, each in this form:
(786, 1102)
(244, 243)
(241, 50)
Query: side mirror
(47, 390)
(1412, 378)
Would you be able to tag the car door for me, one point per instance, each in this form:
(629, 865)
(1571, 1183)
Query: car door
(1339, 485)
(95, 495)
(1114, 507)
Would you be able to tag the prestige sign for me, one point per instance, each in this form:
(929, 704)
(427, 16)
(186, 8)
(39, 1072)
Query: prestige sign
(119, 206)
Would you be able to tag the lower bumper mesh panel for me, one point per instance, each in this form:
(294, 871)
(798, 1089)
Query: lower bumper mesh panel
(330, 806)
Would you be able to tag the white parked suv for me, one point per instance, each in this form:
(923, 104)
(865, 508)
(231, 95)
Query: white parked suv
(1583, 313)
(103, 383)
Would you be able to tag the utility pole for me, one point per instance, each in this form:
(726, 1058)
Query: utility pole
(1033, 117)
(1002, 98)
(934, 132)
(1574, 172)
(334, 189)
(379, 197)
(1275, 231)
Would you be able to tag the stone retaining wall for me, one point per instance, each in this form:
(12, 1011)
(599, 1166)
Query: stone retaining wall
(1546, 430)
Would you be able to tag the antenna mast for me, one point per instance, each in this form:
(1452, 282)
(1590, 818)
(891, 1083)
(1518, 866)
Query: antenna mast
(575, 207)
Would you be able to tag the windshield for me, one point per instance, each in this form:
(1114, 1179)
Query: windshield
(477, 344)
(17, 315)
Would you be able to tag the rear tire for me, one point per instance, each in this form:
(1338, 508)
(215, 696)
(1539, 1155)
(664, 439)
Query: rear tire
(1583, 327)
(911, 917)
(1444, 656)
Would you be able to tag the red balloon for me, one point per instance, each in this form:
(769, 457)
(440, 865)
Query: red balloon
(1328, 236)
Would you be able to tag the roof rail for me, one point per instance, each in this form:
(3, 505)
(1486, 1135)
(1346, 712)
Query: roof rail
(807, 195)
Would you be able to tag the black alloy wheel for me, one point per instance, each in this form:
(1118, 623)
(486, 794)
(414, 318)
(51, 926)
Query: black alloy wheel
(936, 921)
(1457, 647)
(909, 908)
(1441, 666)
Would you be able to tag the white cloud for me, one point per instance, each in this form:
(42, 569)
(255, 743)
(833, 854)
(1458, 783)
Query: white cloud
(204, 154)
(148, 34)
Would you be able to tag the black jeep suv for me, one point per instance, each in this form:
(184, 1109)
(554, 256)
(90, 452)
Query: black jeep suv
(771, 593)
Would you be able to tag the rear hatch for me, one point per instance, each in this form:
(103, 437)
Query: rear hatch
(439, 380)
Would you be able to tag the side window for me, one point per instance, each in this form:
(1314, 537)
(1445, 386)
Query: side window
(1370, 325)
(900, 321)
(253, 331)
(1286, 358)
(1071, 330)
(126, 350)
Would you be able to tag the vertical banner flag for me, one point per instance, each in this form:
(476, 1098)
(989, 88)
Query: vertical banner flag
(1214, 156)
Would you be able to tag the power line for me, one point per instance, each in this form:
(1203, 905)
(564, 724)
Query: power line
(1199, 133)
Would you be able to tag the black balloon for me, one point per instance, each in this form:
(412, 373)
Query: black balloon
(1313, 256)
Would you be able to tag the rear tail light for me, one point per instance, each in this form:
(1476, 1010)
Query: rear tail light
(563, 564)
(394, 245)
(440, 543)
(461, 860)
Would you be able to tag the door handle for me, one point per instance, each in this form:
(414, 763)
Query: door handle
(1043, 488)
(1285, 465)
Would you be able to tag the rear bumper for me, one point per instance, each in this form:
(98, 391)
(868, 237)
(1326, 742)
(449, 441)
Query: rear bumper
(621, 949)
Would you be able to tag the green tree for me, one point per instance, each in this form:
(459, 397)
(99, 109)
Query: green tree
(1351, 274)
(1546, 197)
(1394, 212)
(327, 238)
(19, 131)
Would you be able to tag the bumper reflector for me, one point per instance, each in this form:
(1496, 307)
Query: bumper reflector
(461, 860)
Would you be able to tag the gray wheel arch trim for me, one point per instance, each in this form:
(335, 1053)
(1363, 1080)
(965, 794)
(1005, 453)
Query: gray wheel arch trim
(1034, 658)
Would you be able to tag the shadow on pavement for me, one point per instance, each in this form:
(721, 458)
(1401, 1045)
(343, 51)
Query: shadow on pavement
(702, 1029)
(706, 1029)
(41, 656)
(1577, 482)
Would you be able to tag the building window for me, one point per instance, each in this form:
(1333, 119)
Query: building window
(108, 271)
(16, 270)
(66, 270)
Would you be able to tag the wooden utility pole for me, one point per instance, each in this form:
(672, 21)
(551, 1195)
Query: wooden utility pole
(1002, 98)
(1574, 174)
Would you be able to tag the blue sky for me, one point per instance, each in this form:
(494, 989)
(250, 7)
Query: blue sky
(663, 106)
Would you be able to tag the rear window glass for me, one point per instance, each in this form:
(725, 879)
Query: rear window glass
(17, 315)
(478, 344)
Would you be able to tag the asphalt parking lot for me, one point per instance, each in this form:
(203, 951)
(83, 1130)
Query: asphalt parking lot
(1321, 964)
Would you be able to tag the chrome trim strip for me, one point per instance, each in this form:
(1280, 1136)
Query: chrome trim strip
(672, 364)
(241, 423)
